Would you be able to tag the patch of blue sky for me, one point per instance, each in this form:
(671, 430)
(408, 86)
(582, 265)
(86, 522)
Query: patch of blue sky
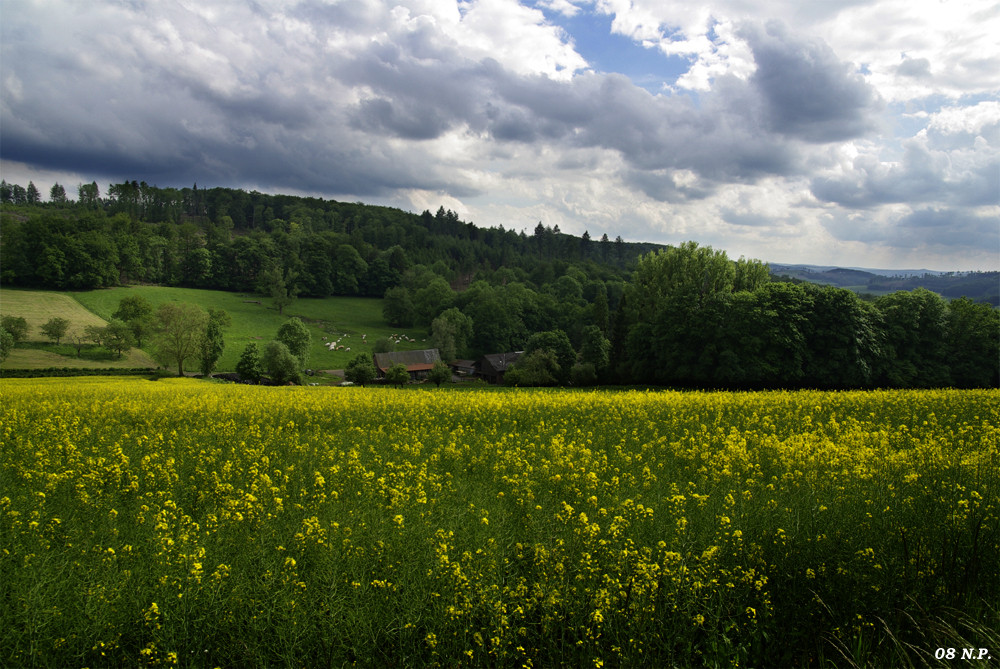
(606, 52)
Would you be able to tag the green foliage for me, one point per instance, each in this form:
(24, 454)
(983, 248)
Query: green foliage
(16, 327)
(440, 373)
(538, 368)
(397, 307)
(583, 374)
(397, 375)
(138, 313)
(383, 345)
(118, 337)
(280, 285)
(431, 300)
(349, 270)
(450, 333)
(294, 334)
(280, 364)
(973, 347)
(212, 343)
(55, 328)
(6, 343)
(557, 343)
(179, 326)
(250, 367)
(916, 324)
(361, 370)
(595, 349)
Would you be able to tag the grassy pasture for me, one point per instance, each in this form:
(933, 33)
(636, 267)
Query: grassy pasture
(37, 308)
(253, 320)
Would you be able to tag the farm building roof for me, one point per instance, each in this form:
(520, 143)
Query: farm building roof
(498, 362)
(415, 361)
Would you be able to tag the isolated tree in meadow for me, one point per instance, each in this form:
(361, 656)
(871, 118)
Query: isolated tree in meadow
(250, 367)
(95, 334)
(78, 339)
(16, 326)
(361, 370)
(178, 331)
(295, 335)
(56, 328)
(212, 343)
(397, 375)
(6, 344)
(138, 313)
(118, 337)
(280, 364)
(440, 373)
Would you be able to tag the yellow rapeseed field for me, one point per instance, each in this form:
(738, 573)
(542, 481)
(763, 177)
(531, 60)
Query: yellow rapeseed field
(178, 522)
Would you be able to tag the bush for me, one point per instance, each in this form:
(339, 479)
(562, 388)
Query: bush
(583, 374)
(294, 335)
(280, 364)
(361, 370)
(397, 375)
(249, 367)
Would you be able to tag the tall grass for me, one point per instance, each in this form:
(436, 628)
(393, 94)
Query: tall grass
(204, 525)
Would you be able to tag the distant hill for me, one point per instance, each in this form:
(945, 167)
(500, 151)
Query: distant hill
(977, 286)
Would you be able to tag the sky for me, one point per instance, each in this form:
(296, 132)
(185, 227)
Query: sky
(833, 132)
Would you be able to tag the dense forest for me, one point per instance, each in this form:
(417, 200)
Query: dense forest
(584, 311)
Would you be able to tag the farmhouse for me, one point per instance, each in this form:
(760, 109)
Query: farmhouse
(463, 368)
(418, 363)
(492, 366)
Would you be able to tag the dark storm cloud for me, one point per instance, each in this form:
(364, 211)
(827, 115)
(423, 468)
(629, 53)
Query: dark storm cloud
(807, 91)
(280, 106)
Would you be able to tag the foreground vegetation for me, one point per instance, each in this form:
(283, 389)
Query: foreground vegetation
(181, 522)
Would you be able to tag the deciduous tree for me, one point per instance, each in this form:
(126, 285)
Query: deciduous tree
(397, 375)
(295, 335)
(178, 330)
(55, 328)
(361, 370)
(440, 373)
(137, 312)
(280, 364)
(212, 343)
(249, 366)
(16, 326)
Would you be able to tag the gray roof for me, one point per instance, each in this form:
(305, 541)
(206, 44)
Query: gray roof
(499, 362)
(423, 359)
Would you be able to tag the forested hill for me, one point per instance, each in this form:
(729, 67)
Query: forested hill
(227, 239)
(584, 311)
(978, 286)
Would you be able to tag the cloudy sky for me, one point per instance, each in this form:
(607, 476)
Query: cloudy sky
(850, 132)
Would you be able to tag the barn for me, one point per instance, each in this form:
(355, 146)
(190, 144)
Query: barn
(417, 363)
(492, 366)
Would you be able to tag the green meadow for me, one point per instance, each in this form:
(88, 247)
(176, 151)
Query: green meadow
(355, 321)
